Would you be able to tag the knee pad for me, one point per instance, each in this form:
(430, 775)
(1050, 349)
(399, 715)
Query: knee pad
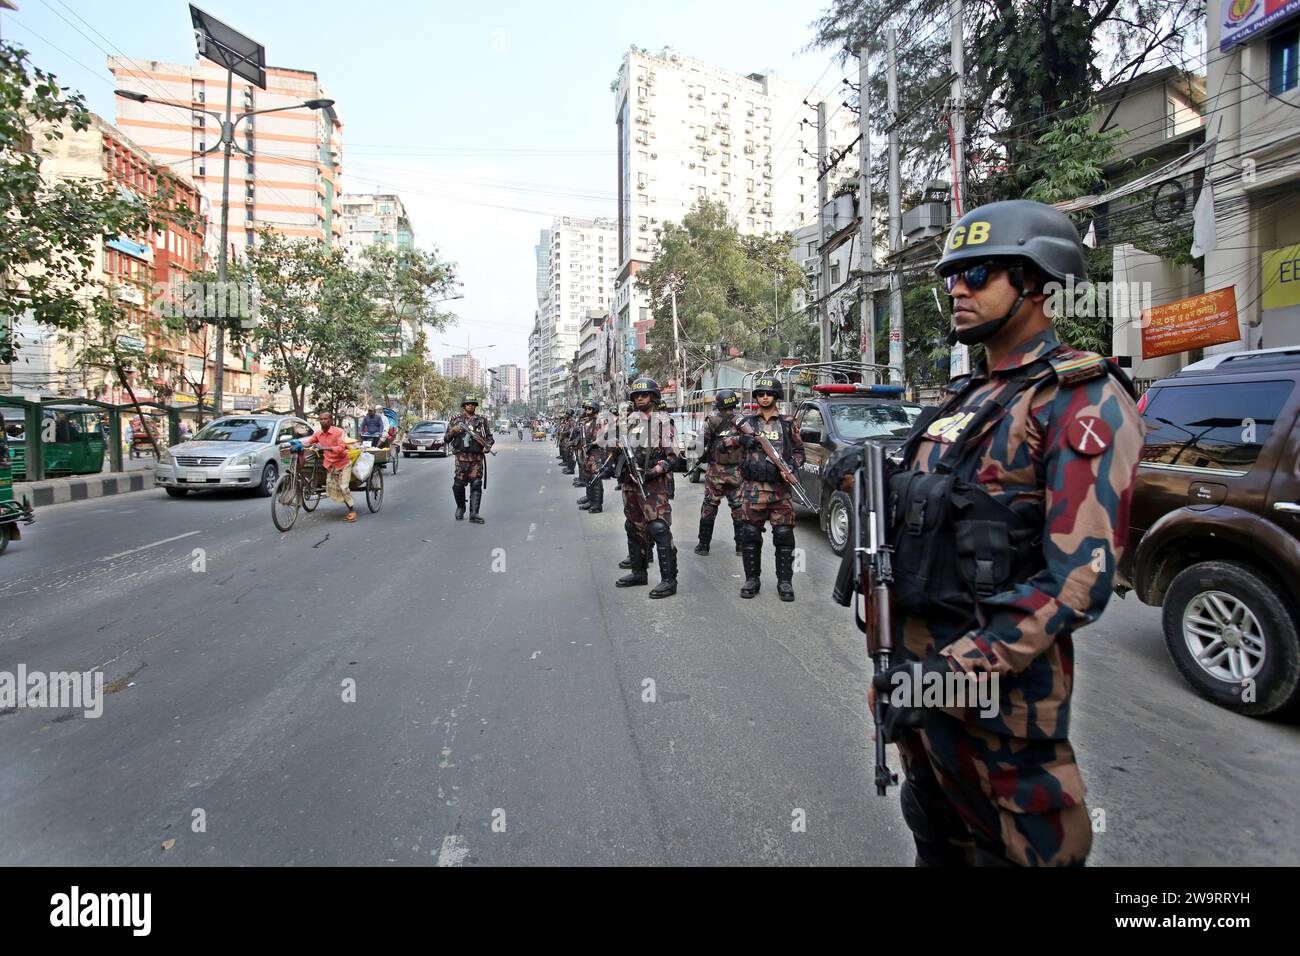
(783, 536)
(629, 527)
(458, 484)
(476, 484)
(657, 529)
(750, 533)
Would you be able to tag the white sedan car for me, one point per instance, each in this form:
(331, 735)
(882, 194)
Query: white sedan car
(237, 451)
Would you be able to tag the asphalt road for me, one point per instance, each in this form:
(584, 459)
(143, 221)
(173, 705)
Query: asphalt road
(500, 685)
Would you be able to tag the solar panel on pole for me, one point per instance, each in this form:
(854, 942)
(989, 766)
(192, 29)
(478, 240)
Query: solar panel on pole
(228, 47)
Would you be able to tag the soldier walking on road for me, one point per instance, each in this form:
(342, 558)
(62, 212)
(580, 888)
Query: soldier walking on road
(651, 444)
(471, 437)
(722, 453)
(1014, 499)
(765, 496)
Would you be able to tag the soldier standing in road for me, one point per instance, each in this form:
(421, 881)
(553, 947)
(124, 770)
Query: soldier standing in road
(592, 456)
(471, 437)
(764, 495)
(722, 453)
(651, 443)
(1014, 499)
(564, 432)
(577, 446)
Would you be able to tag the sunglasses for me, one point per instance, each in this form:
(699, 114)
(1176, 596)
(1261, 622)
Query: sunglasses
(976, 277)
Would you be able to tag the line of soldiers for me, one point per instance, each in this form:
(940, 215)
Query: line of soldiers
(641, 452)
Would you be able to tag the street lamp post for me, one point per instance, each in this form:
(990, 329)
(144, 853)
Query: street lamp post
(226, 145)
(469, 352)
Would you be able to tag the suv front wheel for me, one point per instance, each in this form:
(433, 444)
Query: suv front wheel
(1234, 637)
(839, 521)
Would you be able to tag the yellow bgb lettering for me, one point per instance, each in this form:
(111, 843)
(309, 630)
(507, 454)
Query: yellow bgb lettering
(973, 235)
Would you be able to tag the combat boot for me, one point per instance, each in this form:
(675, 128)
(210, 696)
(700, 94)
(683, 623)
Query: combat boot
(751, 554)
(458, 493)
(662, 536)
(706, 535)
(596, 495)
(636, 555)
(783, 539)
(584, 501)
(475, 496)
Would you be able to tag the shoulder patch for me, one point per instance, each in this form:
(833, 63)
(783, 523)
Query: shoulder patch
(1072, 367)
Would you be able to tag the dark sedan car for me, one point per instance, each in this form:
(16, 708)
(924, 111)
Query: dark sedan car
(837, 415)
(426, 438)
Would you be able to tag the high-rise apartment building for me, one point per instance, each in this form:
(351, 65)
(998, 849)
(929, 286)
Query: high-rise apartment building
(290, 181)
(508, 383)
(689, 131)
(367, 220)
(463, 366)
(582, 261)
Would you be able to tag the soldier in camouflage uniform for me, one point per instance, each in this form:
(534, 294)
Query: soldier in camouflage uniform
(592, 456)
(577, 446)
(722, 478)
(471, 436)
(764, 495)
(564, 432)
(652, 443)
(1053, 435)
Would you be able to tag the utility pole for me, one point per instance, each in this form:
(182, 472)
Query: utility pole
(895, 220)
(959, 363)
(867, 295)
(823, 188)
(677, 346)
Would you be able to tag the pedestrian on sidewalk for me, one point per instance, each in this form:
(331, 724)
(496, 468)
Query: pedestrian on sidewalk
(334, 442)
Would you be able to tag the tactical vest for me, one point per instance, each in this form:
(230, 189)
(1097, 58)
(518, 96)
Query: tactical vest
(718, 454)
(954, 543)
(463, 443)
(780, 444)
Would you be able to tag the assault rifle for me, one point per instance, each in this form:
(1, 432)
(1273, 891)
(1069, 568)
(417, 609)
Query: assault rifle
(787, 475)
(873, 569)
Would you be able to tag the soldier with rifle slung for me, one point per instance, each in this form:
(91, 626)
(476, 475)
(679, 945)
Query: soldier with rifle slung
(721, 456)
(1003, 528)
(471, 437)
(773, 453)
(591, 455)
(642, 460)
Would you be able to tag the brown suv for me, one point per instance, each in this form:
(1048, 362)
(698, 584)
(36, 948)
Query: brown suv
(1215, 526)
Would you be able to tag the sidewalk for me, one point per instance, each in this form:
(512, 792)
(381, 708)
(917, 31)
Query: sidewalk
(57, 491)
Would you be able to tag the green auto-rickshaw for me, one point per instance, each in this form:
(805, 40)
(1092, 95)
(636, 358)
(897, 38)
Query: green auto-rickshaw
(73, 435)
(12, 513)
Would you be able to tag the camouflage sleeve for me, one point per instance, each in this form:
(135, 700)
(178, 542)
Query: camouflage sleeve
(1091, 448)
(797, 455)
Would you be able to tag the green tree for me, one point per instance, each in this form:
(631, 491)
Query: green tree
(51, 229)
(317, 331)
(406, 287)
(736, 295)
(1030, 64)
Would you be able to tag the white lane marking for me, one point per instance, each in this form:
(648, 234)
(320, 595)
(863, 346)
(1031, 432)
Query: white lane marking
(536, 654)
(541, 489)
(532, 530)
(146, 547)
(454, 851)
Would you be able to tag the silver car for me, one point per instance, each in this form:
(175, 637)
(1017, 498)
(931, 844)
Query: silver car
(235, 451)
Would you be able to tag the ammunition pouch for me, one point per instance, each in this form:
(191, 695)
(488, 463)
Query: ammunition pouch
(760, 469)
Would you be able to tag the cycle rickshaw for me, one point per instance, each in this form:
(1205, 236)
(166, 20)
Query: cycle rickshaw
(302, 483)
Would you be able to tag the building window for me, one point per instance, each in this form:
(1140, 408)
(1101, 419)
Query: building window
(835, 273)
(1283, 58)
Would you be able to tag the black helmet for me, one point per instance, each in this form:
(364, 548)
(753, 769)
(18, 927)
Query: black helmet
(644, 386)
(469, 400)
(766, 383)
(1016, 229)
(590, 405)
(726, 399)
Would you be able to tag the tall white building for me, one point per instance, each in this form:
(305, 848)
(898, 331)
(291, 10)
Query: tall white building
(581, 266)
(690, 131)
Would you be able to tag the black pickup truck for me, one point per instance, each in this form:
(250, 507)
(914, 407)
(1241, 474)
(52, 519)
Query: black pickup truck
(837, 415)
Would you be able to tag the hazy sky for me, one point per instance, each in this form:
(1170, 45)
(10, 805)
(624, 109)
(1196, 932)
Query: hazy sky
(487, 118)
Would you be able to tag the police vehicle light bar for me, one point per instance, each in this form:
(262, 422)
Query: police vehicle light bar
(853, 389)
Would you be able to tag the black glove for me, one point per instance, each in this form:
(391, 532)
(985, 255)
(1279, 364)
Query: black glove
(605, 473)
(896, 720)
(748, 442)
